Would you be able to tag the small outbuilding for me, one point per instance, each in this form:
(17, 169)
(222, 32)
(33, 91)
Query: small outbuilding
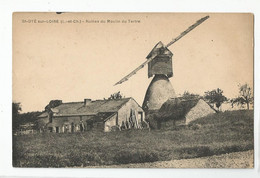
(104, 115)
(183, 111)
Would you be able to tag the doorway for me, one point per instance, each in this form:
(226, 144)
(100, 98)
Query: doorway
(57, 130)
(140, 116)
(50, 129)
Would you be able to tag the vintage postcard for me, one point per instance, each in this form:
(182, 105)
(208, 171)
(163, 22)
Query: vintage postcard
(133, 90)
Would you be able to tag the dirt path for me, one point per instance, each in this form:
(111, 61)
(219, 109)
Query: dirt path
(231, 160)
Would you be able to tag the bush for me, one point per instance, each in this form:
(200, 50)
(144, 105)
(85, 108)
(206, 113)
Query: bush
(152, 122)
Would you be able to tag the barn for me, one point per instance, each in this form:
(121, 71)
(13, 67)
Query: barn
(105, 115)
(182, 111)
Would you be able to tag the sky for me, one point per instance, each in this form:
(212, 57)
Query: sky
(73, 61)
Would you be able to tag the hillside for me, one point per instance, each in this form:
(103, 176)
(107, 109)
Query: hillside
(226, 132)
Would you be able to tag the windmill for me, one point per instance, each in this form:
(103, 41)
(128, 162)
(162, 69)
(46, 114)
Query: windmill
(159, 62)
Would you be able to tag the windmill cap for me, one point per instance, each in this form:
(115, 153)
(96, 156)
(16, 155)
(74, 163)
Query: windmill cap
(160, 49)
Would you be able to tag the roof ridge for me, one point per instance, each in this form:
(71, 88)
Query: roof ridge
(78, 108)
(119, 98)
(97, 100)
(73, 102)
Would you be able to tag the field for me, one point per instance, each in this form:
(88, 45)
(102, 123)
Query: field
(221, 133)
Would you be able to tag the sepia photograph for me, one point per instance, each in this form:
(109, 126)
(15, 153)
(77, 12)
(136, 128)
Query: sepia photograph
(132, 90)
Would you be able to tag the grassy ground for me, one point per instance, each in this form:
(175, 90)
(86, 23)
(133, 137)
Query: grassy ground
(216, 134)
(243, 159)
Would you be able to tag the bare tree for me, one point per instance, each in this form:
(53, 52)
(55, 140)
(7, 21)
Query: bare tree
(245, 96)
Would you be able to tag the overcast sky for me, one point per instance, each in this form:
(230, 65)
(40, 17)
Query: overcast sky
(73, 61)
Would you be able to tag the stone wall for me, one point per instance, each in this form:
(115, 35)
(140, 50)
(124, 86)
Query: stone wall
(110, 123)
(125, 111)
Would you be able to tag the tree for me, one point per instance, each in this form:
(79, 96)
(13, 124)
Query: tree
(16, 108)
(22, 118)
(116, 95)
(245, 96)
(53, 104)
(215, 97)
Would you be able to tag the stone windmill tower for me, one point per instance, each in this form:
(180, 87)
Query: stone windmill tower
(159, 62)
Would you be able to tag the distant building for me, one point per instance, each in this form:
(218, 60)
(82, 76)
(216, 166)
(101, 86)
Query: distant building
(104, 115)
(25, 129)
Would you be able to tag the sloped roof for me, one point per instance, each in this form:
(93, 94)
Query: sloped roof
(44, 114)
(176, 108)
(159, 49)
(91, 108)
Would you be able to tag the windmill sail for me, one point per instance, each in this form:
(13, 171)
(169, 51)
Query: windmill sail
(137, 69)
(150, 58)
(188, 30)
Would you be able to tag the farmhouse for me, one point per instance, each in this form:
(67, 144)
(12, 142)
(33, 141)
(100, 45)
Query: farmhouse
(183, 111)
(104, 115)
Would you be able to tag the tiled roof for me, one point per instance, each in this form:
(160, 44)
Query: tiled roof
(91, 107)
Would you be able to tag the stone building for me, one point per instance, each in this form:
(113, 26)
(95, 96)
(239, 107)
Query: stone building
(104, 115)
(182, 111)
